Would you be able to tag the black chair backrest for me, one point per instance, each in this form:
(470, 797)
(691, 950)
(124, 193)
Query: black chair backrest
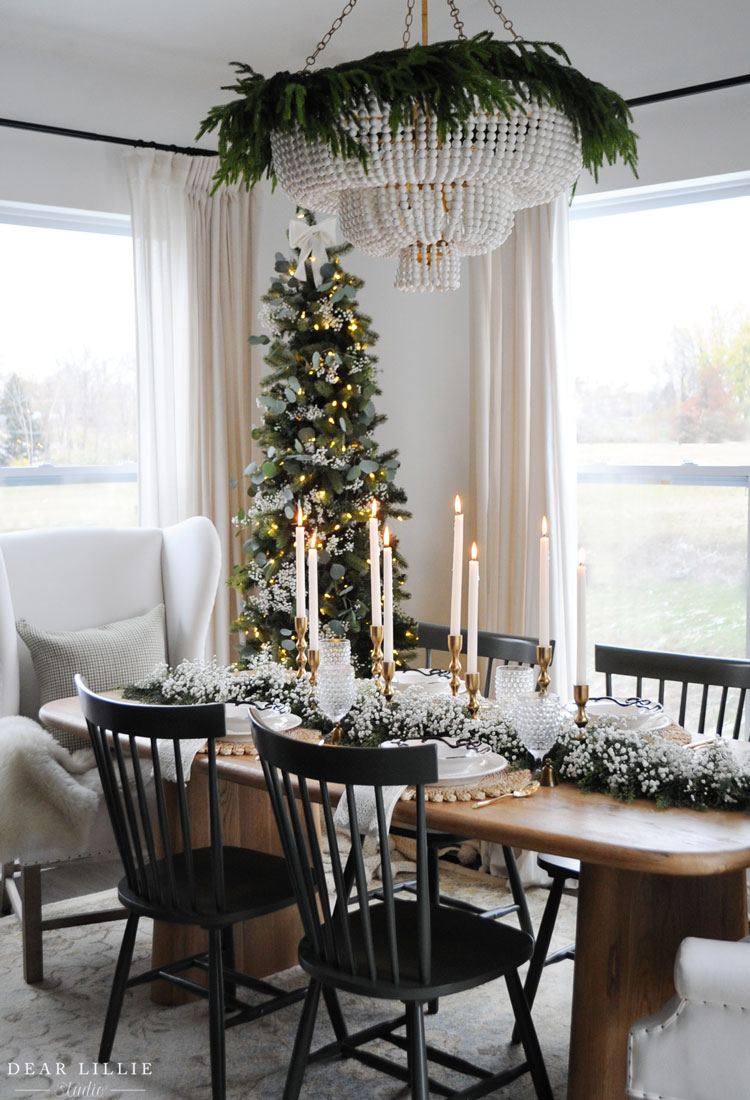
(501, 648)
(299, 774)
(156, 836)
(675, 674)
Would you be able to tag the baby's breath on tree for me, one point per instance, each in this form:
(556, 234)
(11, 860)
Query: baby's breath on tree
(320, 455)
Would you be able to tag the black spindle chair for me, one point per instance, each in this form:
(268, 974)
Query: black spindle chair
(170, 873)
(501, 649)
(390, 948)
(707, 691)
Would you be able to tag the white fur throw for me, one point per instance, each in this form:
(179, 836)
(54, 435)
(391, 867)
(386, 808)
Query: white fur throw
(48, 796)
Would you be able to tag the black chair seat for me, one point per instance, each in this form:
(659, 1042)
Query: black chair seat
(256, 883)
(466, 953)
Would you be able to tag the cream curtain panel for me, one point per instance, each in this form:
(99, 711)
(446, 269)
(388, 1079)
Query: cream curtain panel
(193, 318)
(523, 431)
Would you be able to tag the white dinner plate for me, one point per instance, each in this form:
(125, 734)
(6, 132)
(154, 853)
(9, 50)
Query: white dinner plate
(434, 681)
(238, 721)
(455, 764)
(637, 714)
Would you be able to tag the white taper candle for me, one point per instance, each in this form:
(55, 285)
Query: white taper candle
(544, 586)
(312, 582)
(299, 546)
(376, 612)
(387, 596)
(458, 556)
(472, 624)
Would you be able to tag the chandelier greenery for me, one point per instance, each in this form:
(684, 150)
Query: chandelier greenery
(425, 153)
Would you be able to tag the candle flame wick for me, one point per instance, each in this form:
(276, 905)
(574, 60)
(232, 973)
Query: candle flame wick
(457, 504)
(300, 515)
(386, 537)
(545, 529)
(473, 551)
(582, 557)
(374, 508)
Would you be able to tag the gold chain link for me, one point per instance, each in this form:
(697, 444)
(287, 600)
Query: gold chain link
(310, 61)
(507, 23)
(409, 20)
(457, 22)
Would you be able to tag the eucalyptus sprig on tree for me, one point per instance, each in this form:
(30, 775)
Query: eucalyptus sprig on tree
(320, 455)
(448, 80)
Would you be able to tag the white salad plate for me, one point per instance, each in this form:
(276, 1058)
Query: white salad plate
(455, 763)
(238, 721)
(636, 714)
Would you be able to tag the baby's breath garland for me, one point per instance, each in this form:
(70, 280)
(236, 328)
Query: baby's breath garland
(609, 758)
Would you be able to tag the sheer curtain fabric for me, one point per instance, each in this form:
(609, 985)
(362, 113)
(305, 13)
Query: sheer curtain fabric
(193, 318)
(523, 430)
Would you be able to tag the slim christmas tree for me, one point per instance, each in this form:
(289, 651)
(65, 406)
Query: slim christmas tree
(319, 455)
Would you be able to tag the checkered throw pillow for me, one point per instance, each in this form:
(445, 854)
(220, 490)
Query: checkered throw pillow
(106, 656)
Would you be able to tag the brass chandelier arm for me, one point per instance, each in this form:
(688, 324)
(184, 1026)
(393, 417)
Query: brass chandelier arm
(507, 23)
(348, 7)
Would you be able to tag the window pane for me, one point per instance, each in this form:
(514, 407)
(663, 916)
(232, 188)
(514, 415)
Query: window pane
(661, 347)
(67, 377)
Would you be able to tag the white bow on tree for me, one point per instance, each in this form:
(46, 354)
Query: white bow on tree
(311, 240)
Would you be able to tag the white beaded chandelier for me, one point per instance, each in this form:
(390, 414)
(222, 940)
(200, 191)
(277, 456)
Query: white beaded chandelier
(425, 154)
(425, 200)
(430, 202)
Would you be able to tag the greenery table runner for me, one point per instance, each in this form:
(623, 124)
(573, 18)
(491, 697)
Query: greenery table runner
(606, 757)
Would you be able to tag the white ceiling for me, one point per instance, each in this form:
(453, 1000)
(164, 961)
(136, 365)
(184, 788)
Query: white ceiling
(637, 47)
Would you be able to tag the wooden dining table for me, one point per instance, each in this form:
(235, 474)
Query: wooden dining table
(649, 878)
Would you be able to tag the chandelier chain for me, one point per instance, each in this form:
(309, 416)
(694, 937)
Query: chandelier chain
(507, 23)
(409, 20)
(348, 7)
(457, 21)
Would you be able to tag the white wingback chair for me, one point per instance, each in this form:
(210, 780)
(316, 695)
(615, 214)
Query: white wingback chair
(77, 578)
(697, 1047)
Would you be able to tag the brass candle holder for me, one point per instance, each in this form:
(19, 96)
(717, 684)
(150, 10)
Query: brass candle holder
(581, 698)
(300, 629)
(376, 633)
(455, 641)
(543, 659)
(472, 687)
(313, 660)
(389, 671)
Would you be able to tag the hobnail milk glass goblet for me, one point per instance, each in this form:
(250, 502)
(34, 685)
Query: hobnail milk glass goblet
(510, 682)
(335, 693)
(335, 651)
(538, 719)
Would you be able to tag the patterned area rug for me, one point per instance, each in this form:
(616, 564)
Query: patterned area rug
(49, 1033)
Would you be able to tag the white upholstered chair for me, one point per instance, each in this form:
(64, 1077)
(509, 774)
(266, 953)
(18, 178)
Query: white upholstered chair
(697, 1047)
(74, 579)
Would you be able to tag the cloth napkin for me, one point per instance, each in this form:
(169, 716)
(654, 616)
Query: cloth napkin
(188, 751)
(367, 813)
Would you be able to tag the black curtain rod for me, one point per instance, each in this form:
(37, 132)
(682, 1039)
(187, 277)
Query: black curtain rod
(87, 135)
(693, 89)
(191, 151)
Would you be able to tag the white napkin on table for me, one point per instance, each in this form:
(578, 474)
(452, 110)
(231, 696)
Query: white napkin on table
(367, 812)
(188, 751)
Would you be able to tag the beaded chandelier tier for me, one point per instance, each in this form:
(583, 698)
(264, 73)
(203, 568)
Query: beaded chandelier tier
(407, 176)
(428, 201)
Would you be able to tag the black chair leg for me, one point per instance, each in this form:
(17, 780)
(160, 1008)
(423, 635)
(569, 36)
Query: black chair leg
(302, 1042)
(517, 891)
(541, 947)
(228, 955)
(331, 998)
(529, 1040)
(217, 1037)
(417, 1052)
(119, 983)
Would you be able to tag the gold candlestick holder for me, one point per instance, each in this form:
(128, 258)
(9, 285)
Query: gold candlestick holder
(313, 660)
(300, 629)
(543, 659)
(472, 687)
(455, 641)
(581, 698)
(376, 633)
(389, 670)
